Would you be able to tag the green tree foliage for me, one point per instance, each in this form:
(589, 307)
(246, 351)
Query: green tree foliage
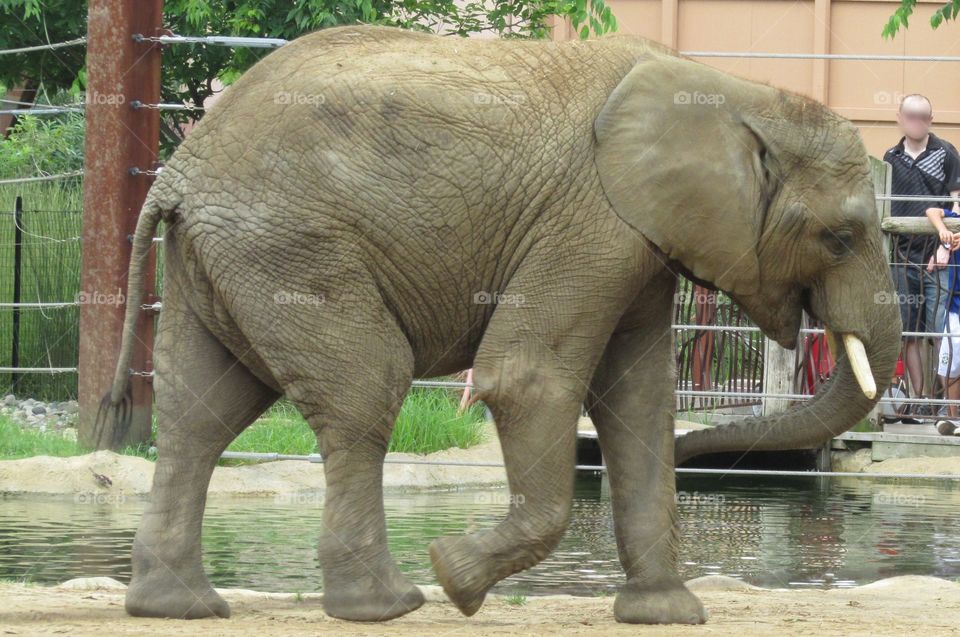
(900, 18)
(191, 72)
(43, 146)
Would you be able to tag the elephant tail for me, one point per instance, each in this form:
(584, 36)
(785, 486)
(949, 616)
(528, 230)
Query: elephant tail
(116, 405)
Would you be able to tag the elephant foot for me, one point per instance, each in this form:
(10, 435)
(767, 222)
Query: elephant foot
(458, 571)
(369, 599)
(658, 603)
(163, 593)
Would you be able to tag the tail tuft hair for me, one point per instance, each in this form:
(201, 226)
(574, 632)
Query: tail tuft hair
(113, 420)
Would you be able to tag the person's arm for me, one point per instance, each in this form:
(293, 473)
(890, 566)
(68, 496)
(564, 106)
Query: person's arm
(951, 168)
(935, 215)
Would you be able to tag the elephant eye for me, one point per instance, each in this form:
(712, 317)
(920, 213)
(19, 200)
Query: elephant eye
(839, 242)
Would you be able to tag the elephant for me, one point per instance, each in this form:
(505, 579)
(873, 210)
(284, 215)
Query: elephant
(367, 206)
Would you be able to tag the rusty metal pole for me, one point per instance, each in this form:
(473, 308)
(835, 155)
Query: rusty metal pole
(118, 138)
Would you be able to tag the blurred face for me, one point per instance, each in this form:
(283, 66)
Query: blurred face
(914, 118)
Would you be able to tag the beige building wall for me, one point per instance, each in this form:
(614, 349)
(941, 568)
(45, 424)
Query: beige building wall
(866, 92)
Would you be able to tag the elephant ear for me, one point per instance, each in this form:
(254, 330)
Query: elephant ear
(683, 160)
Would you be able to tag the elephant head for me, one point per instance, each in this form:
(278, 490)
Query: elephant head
(766, 195)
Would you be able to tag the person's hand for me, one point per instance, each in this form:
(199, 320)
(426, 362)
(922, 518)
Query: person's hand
(955, 241)
(946, 237)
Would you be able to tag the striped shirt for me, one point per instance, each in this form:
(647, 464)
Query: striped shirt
(934, 172)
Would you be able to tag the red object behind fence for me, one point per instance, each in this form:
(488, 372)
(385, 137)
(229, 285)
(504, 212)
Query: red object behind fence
(819, 362)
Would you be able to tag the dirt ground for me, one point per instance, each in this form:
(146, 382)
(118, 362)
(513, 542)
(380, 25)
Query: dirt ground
(898, 606)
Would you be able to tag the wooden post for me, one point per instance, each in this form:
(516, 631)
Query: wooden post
(118, 138)
(778, 368)
(882, 174)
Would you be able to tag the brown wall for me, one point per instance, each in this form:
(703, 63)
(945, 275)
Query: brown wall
(866, 92)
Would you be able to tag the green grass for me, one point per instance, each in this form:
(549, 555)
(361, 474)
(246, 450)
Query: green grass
(23, 581)
(280, 430)
(428, 422)
(865, 425)
(24, 443)
(516, 600)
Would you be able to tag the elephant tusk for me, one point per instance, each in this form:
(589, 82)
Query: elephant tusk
(860, 364)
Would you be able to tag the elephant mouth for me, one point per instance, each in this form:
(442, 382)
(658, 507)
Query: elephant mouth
(854, 348)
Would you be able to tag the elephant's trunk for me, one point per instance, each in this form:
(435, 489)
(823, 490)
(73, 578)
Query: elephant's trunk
(837, 407)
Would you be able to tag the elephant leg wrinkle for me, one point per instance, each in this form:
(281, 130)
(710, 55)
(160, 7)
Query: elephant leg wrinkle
(204, 400)
(631, 402)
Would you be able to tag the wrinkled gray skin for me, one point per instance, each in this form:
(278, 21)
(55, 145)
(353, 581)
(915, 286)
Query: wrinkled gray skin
(334, 217)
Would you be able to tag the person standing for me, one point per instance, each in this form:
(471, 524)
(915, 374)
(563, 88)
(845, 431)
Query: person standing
(923, 165)
(949, 366)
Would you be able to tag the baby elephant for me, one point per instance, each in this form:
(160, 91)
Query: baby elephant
(367, 206)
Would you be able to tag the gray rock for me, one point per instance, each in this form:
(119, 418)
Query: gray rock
(718, 583)
(93, 584)
(39, 409)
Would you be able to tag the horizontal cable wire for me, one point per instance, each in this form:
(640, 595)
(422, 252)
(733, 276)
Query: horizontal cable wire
(945, 199)
(44, 47)
(315, 457)
(24, 180)
(7, 306)
(216, 40)
(55, 110)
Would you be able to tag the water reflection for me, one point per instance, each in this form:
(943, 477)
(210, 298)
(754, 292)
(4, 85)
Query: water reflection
(787, 532)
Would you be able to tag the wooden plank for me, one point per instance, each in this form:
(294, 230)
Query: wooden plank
(917, 439)
(916, 225)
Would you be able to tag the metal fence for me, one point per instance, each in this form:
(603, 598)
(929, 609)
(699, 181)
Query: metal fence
(40, 262)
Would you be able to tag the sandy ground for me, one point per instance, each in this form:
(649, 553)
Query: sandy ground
(860, 462)
(132, 476)
(898, 606)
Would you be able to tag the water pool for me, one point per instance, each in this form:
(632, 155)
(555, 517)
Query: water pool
(773, 532)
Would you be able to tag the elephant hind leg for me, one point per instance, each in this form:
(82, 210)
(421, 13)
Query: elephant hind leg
(204, 398)
(352, 403)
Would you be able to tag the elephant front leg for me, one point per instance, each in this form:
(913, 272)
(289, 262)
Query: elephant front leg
(631, 402)
(536, 423)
